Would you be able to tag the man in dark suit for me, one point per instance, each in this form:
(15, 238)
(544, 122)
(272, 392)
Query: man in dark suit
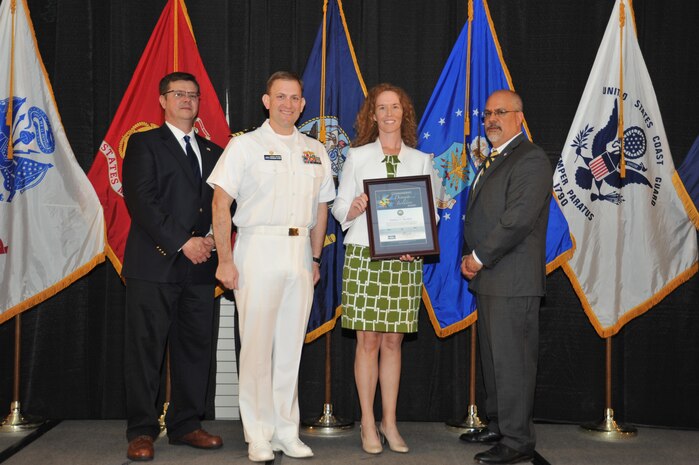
(169, 268)
(505, 260)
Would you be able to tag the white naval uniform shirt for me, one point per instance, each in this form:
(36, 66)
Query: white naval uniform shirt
(276, 180)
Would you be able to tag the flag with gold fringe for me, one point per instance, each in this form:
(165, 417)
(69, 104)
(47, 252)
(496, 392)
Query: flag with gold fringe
(51, 222)
(171, 48)
(618, 188)
(452, 129)
(334, 91)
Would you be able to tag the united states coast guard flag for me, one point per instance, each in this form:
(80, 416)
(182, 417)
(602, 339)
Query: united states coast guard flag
(51, 222)
(452, 129)
(635, 242)
(334, 91)
(170, 48)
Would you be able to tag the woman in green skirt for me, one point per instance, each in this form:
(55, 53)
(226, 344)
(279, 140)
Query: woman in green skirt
(380, 298)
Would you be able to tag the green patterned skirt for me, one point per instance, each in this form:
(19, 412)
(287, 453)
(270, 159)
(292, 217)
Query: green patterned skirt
(380, 295)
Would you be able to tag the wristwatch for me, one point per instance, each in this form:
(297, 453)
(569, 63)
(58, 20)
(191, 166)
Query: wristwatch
(317, 260)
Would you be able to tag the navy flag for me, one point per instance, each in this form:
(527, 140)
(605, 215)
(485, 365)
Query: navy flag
(334, 91)
(452, 129)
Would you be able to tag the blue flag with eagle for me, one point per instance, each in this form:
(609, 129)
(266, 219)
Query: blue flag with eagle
(451, 129)
(334, 91)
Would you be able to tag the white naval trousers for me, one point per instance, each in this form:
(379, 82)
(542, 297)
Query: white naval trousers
(274, 296)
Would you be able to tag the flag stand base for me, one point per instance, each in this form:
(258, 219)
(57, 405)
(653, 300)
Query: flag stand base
(609, 429)
(470, 424)
(327, 425)
(161, 421)
(16, 422)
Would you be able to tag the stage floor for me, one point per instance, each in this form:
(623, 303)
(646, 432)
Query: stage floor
(102, 442)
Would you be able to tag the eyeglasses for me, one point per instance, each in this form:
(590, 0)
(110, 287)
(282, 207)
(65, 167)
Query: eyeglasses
(497, 113)
(180, 94)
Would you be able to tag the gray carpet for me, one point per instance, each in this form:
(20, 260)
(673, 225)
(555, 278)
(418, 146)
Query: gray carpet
(103, 443)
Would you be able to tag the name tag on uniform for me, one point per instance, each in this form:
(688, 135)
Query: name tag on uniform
(311, 158)
(273, 157)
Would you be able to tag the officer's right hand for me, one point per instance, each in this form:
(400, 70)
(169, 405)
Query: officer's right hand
(227, 274)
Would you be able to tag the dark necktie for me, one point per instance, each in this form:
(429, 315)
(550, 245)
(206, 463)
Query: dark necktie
(192, 157)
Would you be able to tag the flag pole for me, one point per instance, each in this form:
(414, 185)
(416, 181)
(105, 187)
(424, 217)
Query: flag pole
(168, 394)
(168, 385)
(327, 424)
(607, 428)
(15, 421)
(470, 423)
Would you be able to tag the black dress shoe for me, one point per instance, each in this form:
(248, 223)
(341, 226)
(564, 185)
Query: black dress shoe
(501, 454)
(481, 437)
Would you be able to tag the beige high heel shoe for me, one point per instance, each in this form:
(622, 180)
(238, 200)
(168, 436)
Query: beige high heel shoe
(370, 446)
(395, 446)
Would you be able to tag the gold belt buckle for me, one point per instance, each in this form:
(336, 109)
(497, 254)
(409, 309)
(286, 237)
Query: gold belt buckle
(293, 231)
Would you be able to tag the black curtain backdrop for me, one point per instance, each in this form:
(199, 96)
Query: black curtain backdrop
(71, 364)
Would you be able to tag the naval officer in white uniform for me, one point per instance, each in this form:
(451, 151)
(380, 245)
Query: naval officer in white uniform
(282, 181)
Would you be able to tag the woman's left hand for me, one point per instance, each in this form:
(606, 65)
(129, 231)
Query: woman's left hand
(407, 258)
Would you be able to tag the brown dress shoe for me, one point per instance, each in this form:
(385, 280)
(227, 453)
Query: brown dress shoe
(140, 449)
(199, 439)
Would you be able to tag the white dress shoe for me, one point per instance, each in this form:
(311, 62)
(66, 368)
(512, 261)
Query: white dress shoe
(260, 451)
(292, 448)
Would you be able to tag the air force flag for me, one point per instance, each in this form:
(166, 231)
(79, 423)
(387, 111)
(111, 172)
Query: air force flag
(455, 110)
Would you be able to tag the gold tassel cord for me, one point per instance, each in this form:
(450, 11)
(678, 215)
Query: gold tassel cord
(620, 133)
(175, 58)
(9, 116)
(324, 51)
(467, 94)
(351, 48)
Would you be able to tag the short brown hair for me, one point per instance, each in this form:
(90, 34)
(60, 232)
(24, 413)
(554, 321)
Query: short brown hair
(283, 76)
(178, 76)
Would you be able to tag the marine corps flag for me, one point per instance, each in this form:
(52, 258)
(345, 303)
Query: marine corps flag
(171, 48)
(334, 92)
(451, 129)
(618, 188)
(51, 222)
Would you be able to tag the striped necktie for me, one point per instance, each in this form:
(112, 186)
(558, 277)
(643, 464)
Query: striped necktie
(489, 159)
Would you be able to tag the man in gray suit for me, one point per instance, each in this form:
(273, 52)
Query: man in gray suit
(505, 261)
